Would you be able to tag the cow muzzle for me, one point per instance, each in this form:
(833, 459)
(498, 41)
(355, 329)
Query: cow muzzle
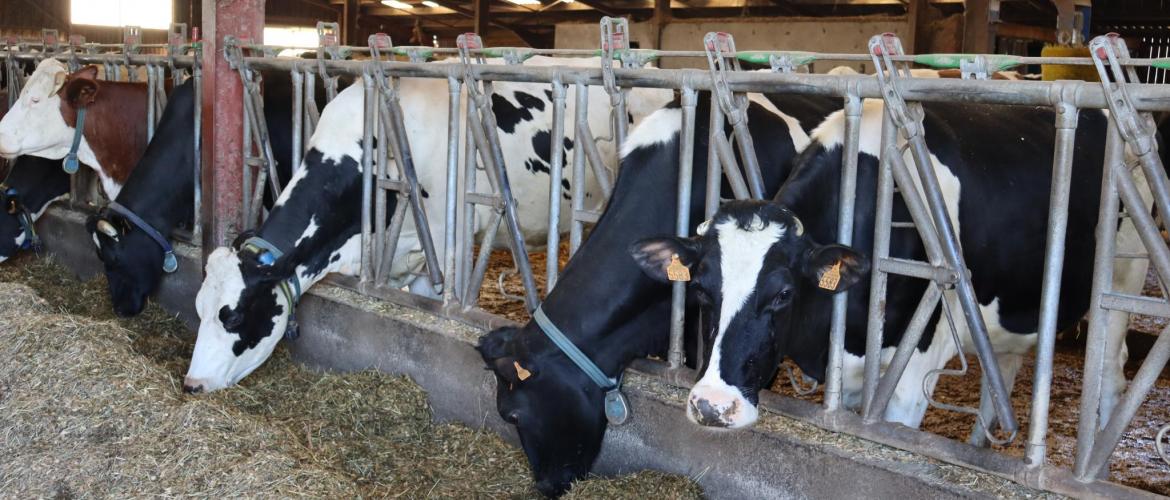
(193, 385)
(723, 407)
(9, 146)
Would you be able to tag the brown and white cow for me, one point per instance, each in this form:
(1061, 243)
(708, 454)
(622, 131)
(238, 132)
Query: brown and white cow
(43, 121)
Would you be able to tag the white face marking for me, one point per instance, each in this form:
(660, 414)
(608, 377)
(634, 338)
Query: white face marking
(742, 255)
(34, 125)
(213, 364)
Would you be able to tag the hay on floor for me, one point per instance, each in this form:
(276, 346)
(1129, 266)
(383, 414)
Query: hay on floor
(112, 386)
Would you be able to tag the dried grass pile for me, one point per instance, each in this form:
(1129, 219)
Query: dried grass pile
(364, 434)
(83, 414)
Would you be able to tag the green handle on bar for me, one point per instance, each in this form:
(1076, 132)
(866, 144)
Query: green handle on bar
(524, 52)
(1163, 63)
(764, 57)
(951, 61)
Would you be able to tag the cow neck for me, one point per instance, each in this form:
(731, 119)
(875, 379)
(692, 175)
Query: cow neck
(603, 301)
(327, 195)
(603, 291)
(115, 126)
(161, 191)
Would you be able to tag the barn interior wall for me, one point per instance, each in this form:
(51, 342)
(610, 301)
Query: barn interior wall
(839, 34)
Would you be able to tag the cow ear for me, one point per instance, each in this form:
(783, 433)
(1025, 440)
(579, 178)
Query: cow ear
(500, 353)
(515, 370)
(87, 73)
(58, 81)
(835, 268)
(239, 241)
(80, 92)
(657, 255)
(496, 343)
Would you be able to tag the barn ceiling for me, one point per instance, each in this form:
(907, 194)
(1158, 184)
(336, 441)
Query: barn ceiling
(533, 21)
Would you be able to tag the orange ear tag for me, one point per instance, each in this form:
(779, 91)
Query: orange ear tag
(521, 373)
(831, 277)
(676, 271)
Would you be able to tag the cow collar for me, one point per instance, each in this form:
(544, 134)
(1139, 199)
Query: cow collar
(617, 411)
(268, 254)
(70, 164)
(31, 239)
(170, 263)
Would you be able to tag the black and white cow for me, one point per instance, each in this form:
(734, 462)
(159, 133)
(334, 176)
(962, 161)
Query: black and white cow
(523, 113)
(33, 184)
(160, 191)
(316, 223)
(603, 303)
(994, 165)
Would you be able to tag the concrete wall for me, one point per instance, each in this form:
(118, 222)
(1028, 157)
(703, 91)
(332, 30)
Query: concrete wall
(839, 35)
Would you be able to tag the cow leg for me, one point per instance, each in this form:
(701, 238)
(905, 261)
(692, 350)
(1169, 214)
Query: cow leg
(421, 285)
(908, 405)
(1129, 277)
(852, 377)
(1009, 366)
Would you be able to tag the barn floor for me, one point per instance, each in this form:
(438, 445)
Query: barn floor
(364, 434)
(1136, 461)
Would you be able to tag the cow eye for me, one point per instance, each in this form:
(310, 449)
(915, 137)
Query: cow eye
(782, 299)
(512, 418)
(34, 99)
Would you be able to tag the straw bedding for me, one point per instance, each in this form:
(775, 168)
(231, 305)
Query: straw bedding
(90, 406)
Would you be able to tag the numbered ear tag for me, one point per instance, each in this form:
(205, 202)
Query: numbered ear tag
(521, 372)
(170, 263)
(676, 271)
(831, 277)
(617, 411)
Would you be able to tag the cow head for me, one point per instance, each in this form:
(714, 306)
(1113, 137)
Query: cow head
(556, 409)
(33, 183)
(132, 260)
(242, 316)
(756, 276)
(36, 124)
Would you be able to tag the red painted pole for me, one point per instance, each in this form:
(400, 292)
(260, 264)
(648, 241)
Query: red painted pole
(223, 126)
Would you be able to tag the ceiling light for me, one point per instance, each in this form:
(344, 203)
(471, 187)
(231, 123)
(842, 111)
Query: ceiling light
(568, 1)
(525, 2)
(431, 4)
(396, 4)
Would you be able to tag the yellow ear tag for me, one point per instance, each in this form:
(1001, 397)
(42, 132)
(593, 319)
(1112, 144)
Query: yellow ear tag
(676, 271)
(521, 373)
(831, 277)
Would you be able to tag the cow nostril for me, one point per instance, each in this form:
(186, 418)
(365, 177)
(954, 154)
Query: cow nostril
(192, 390)
(706, 414)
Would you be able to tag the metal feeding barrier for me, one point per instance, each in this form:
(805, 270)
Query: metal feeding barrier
(904, 159)
(946, 267)
(378, 243)
(116, 61)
